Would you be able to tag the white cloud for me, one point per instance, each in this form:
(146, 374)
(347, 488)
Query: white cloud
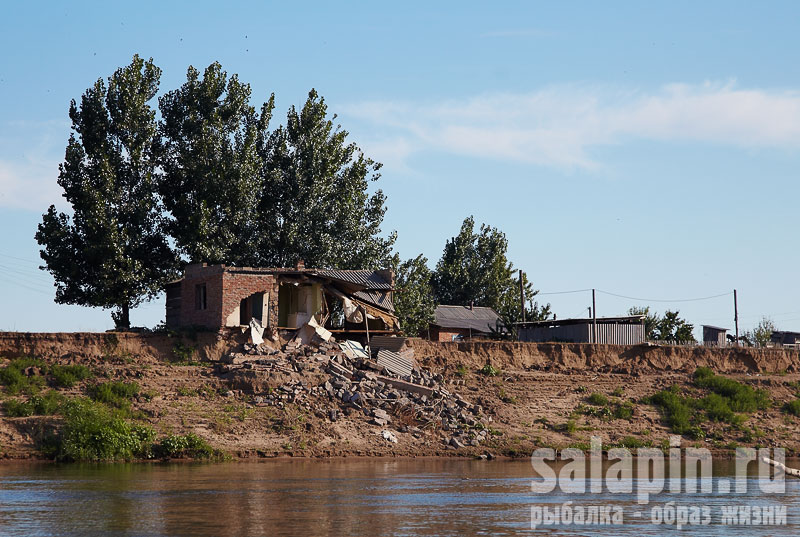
(29, 184)
(560, 125)
(30, 153)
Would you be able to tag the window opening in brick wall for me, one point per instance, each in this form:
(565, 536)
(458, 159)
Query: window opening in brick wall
(200, 301)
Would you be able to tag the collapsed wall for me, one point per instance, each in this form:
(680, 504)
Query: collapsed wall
(434, 355)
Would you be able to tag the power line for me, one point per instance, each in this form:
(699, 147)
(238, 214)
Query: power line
(662, 300)
(564, 292)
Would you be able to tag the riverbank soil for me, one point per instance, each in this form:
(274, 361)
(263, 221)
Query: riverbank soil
(502, 399)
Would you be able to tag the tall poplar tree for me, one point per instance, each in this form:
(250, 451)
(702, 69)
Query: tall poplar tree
(111, 251)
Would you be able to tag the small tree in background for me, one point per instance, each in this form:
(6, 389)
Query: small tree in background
(111, 252)
(474, 268)
(650, 320)
(413, 298)
(669, 327)
(761, 334)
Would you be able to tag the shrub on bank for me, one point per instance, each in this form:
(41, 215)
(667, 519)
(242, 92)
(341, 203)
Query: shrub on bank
(93, 432)
(185, 446)
(117, 394)
(38, 405)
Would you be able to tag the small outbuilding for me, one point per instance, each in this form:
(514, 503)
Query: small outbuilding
(610, 330)
(452, 323)
(714, 336)
(785, 338)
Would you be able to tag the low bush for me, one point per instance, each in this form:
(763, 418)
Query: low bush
(66, 376)
(792, 407)
(93, 432)
(38, 405)
(185, 446)
(489, 371)
(623, 411)
(16, 380)
(117, 394)
(597, 399)
(741, 397)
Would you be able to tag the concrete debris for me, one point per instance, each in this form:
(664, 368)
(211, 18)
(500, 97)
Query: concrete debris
(328, 378)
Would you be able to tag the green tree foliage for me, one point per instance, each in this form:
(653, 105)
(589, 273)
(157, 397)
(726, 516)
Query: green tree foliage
(315, 203)
(761, 334)
(210, 156)
(111, 252)
(669, 327)
(413, 298)
(650, 320)
(474, 268)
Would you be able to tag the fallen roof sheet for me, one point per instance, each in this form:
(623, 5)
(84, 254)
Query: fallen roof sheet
(395, 363)
(392, 343)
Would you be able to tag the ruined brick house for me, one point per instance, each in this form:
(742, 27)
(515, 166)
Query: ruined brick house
(220, 296)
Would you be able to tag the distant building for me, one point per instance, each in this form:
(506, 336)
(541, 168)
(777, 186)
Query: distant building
(610, 330)
(714, 336)
(460, 322)
(785, 338)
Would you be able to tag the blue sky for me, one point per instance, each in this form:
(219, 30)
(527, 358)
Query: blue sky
(646, 151)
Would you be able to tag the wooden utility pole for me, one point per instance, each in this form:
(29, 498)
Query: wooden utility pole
(594, 318)
(521, 297)
(736, 316)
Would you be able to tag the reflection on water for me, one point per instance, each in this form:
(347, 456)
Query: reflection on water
(352, 498)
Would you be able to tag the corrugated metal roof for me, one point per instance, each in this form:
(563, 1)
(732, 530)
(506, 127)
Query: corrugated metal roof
(480, 319)
(363, 278)
(376, 298)
(399, 365)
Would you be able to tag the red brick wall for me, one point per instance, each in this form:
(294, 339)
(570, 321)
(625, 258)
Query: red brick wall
(224, 293)
(212, 278)
(446, 334)
(235, 287)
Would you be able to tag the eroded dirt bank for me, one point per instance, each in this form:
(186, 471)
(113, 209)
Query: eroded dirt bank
(533, 395)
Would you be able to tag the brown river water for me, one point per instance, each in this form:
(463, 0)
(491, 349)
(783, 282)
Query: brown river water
(342, 497)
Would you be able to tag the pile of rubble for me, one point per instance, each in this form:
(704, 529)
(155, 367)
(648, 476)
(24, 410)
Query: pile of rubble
(336, 378)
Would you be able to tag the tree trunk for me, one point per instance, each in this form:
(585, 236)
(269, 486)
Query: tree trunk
(122, 317)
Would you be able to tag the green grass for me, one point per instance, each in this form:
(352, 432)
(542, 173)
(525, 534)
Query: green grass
(623, 411)
(37, 405)
(597, 399)
(117, 394)
(740, 397)
(726, 403)
(16, 381)
(631, 442)
(66, 376)
(792, 407)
